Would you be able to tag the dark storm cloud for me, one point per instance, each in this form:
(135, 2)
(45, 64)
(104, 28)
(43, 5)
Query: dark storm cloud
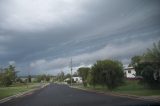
(44, 35)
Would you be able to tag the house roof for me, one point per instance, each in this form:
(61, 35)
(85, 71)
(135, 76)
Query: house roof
(126, 68)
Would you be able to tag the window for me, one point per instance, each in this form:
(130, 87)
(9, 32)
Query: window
(129, 71)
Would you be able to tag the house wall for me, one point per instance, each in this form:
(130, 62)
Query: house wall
(131, 74)
(77, 79)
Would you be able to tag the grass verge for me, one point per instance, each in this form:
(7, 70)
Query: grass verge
(130, 87)
(15, 89)
(134, 88)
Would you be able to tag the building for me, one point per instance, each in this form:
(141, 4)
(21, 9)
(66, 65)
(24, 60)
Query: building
(25, 78)
(77, 79)
(129, 72)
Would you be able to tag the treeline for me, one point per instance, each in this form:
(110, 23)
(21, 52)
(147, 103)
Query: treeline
(34, 78)
(8, 76)
(110, 72)
(43, 78)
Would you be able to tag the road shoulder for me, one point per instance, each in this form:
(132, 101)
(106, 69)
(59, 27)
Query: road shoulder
(144, 98)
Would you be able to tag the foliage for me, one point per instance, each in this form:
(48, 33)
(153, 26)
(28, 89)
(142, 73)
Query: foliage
(67, 76)
(153, 54)
(90, 78)
(147, 74)
(135, 60)
(149, 66)
(6, 81)
(19, 80)
(61, 76)
(7, 76)
(83, 72)
(43, 78)
(107, 72)
(29, 78)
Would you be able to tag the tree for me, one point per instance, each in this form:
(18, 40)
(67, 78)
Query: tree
(60, 76)
(67, 76)
(6, 81)
(107, 72)
(90, 78)
(48, 78)
(149, 66)
(7, 76)
(29, 78)
(153, 54)
(83, 72)
(148, 76)
(135, 60)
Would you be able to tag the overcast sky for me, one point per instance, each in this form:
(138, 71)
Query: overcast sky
(43, 35)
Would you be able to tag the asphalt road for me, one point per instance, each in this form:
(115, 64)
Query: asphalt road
(62, 95)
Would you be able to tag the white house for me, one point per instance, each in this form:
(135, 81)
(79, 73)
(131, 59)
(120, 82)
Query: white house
(129, 72)
(77, 79)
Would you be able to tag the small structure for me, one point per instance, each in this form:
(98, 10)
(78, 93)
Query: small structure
(77, 79)
(74, 79)
(67, 79)
(129, 72)
(25, 78)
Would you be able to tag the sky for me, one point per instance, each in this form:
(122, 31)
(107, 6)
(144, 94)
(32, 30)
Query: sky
(41, 36)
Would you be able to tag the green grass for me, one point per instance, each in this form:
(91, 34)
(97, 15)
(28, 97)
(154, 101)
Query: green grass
(15, 89)
(130, 87)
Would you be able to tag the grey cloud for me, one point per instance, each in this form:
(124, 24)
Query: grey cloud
(51, 32)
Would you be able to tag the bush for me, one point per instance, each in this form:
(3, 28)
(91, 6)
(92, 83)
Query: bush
(107, 72)
(19, 80)
(148, 77)
(6, 81)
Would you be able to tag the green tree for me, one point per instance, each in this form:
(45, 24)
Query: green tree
(61, 76)
(148, 76)
(90, 78)
(48, 78)
(135, 60)
(149, 66)
(153, 54)
(67, 76)
(152, 59)
(83, 72)
(39, 78)
(29, 78)
(108, 72)
(7, 76)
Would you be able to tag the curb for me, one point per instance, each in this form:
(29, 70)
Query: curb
(144, 98)
(21, 94)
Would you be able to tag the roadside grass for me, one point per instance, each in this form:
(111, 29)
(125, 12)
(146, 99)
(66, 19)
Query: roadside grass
(131, 87)
(134, 88)
(15, 89)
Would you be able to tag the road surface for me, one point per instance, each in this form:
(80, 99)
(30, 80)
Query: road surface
(62, 95)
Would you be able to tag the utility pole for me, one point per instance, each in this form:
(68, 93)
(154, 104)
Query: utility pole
(71, 71)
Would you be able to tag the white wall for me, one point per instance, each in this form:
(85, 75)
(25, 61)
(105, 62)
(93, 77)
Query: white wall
(77, 79)
(130, 75)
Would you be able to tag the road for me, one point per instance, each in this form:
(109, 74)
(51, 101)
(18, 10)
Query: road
(62, 95)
